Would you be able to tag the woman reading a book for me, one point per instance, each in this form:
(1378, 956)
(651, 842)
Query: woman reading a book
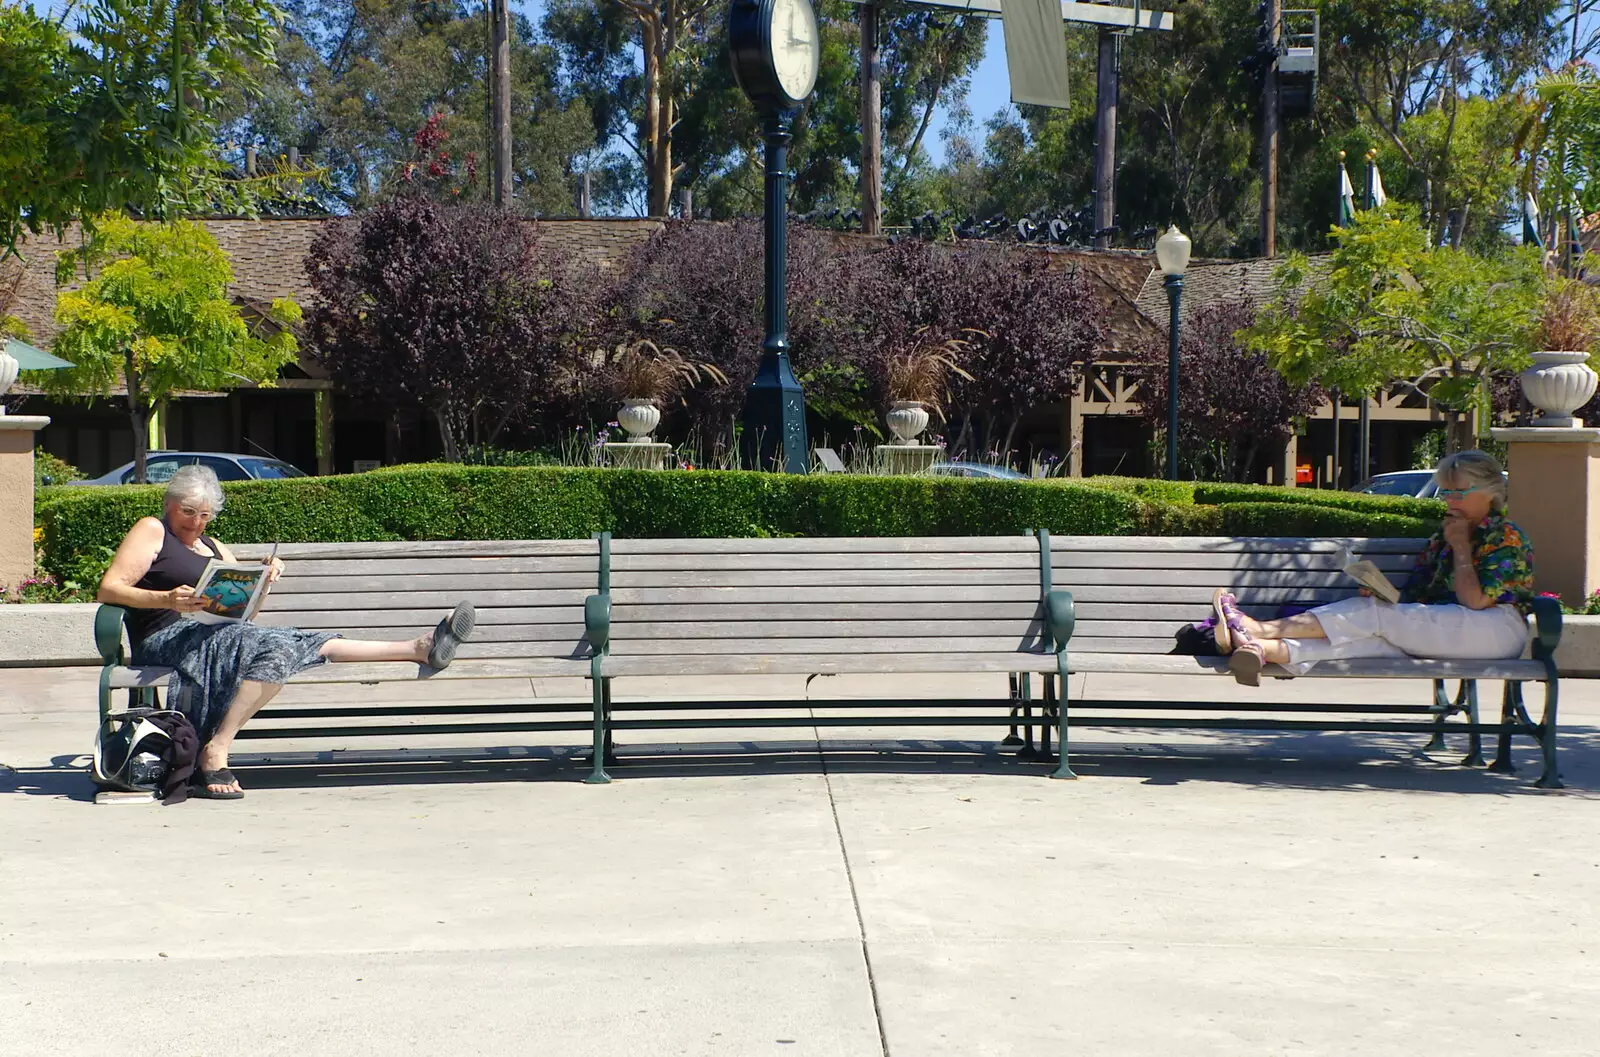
(1466, 599)
(225, 672)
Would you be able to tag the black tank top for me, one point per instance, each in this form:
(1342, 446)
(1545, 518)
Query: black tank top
(175, 566)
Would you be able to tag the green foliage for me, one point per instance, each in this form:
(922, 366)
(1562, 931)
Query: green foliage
(435, 502)
(1151, 489)
(118, 113)
(155, 316)
(443, 502)
(48, 470)
(1388, 307)
(1402, 506)
(1301, 519)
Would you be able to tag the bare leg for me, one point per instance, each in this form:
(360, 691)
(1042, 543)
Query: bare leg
(1276, 651)
(346, 650)
(246, 703)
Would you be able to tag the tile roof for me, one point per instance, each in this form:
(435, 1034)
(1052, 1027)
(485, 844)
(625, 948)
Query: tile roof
(268, 257)
(1209, 282)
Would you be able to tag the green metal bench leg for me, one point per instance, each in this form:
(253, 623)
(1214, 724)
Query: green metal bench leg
(1551, 778)
(1063, 769)
(1474, 756)
(598, 775)
(1046, 710)
(1441, 709)
(1012, 738)
(1509, 700)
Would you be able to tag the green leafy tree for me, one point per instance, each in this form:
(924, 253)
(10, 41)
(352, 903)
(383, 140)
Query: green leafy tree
(154, 316)
(1388, 308)
(352, 86)
(120, 113)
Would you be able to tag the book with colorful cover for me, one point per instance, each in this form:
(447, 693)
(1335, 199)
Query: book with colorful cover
(233, 591)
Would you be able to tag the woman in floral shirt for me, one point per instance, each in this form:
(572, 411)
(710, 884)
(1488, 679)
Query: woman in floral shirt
(1467, 598)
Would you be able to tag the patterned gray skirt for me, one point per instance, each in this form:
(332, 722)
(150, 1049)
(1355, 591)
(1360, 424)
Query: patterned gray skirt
(211, 660)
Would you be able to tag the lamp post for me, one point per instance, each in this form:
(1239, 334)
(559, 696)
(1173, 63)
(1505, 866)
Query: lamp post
(776, 49)
(1172, 256)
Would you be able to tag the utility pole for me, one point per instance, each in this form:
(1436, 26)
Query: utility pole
(1108, 74)
(1269, 129)
(871, 125)
(500, 97)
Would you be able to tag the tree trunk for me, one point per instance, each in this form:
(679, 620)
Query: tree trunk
(138, 415)
(657, 133)
(1459, 433)
(447, 435)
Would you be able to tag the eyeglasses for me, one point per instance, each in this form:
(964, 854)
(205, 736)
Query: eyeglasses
(193, 512)
(1457, 493)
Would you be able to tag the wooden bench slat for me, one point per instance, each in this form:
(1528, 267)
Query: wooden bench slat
(294, 582)
(828, 545)
(887, 628)
(1217, 561)
(1019, 561)
(442, 601)
(831, 664)
(1261, 544)
(420, 548)
(744, 613)
(827, 577)
(504, 668)
(435, 566)
(345, 620)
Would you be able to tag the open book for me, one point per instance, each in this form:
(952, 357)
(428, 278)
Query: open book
(233, 591)
(1369, 576)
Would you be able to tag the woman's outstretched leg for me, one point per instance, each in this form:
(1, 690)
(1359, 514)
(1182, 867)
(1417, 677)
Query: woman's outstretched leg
(344, 651)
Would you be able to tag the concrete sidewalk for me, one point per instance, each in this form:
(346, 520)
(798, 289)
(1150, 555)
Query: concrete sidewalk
(1193, 894)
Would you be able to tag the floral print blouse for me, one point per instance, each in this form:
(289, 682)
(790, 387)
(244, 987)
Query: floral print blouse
(1501, 554)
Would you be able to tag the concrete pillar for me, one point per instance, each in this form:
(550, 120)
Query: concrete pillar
(16, 484)
(1555, 498)
(1291, 459)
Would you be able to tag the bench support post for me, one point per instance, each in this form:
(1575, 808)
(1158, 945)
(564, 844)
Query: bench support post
(1441, 709)
(1474, 756)
(1063, 768)
(1551, 778)
(1510, 705)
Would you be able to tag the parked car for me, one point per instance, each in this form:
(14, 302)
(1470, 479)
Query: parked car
(161, 465)
(976, 469)
(1418, 483)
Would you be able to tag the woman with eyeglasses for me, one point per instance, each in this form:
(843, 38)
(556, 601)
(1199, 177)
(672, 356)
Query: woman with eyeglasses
(225, 673)
(1466, 599)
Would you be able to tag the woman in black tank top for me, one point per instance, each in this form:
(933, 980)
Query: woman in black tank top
(224, 673)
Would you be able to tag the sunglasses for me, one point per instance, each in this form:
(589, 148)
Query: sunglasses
(1456, 493)
(194, 512)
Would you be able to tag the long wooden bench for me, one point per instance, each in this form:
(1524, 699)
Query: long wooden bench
(1043, 605)
(530, 597)
(1028, 606)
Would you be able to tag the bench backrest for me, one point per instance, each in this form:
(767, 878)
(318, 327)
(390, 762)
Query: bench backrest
(529, 593)
(741, 597)
(1133, 592)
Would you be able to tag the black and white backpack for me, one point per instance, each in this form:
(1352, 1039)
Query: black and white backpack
(130, 752)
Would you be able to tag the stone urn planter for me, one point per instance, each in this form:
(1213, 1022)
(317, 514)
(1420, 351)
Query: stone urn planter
(906, 420)
(1558, 384)
(640, 418)
(8, 372)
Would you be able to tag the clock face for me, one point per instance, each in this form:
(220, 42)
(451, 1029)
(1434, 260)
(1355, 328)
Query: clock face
(796, 47)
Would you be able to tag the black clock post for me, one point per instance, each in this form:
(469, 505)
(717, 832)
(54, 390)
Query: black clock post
(775, 410)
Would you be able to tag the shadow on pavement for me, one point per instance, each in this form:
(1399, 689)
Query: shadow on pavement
(1312, 760)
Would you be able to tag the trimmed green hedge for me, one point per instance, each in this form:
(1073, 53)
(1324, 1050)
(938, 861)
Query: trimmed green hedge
(1405, 506)
(1302, 519)
(81, 525)
(489, 502)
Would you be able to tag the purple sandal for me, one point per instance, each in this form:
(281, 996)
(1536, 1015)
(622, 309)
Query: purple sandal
(1245, 655)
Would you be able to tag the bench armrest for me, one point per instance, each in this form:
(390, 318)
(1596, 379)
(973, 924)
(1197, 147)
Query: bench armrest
(1547, 626)
(1060, 616)
(108, 633)
(597, 622)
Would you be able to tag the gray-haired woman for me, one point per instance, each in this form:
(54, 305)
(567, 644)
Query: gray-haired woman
(1467, 598)
(226, 672)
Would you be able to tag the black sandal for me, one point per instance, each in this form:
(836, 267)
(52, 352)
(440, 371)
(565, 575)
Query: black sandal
(206, 779)
(452, 631)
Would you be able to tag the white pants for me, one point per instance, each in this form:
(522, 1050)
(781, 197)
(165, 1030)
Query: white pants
(1366, 627)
